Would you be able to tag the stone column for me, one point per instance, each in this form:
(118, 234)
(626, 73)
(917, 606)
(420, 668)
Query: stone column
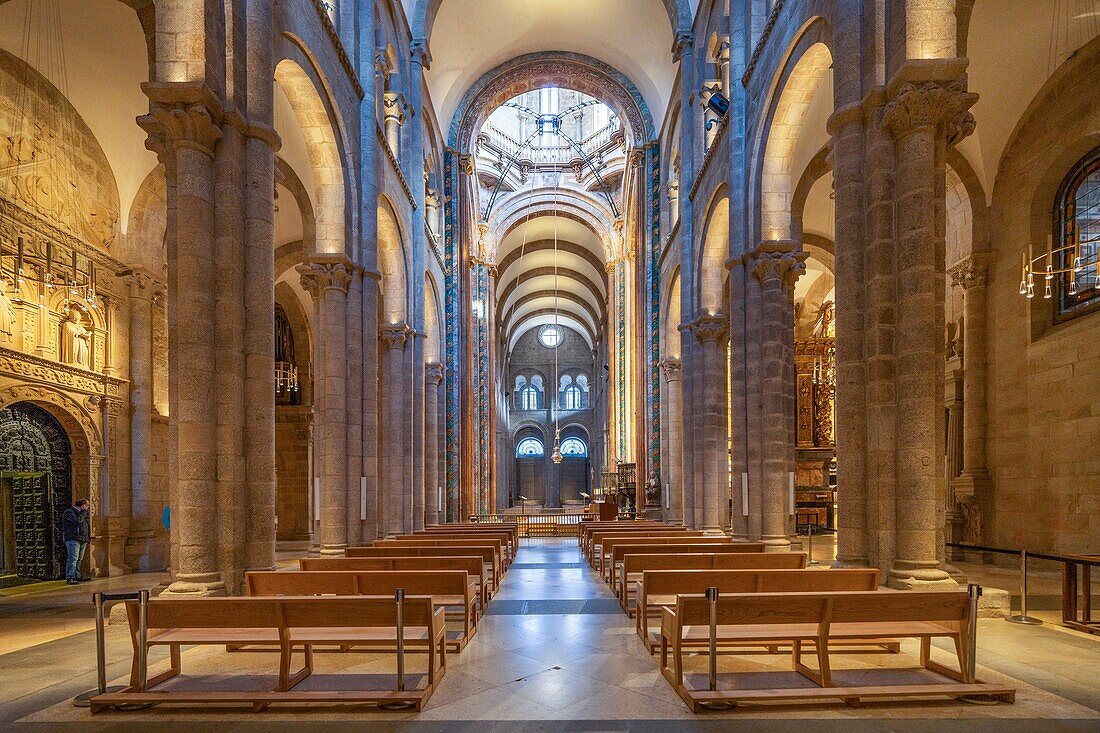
(920, 116)
(776, 265)
(327, 281)
(143, 287)
(849, 158)
(354, 402)
(673, 190)
(433, 378)
(183, 131)
(674, 470)
(712, 333)
(393, 117)
(394, 488)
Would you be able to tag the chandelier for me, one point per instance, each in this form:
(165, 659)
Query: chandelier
(286, 378)
(21, 264)
(1052, 263)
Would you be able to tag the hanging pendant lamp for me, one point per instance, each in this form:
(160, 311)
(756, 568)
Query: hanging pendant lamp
(556, 455)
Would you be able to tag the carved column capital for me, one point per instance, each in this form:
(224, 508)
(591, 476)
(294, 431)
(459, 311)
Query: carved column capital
(181, 115)
(319, 276)
(970, 271)
(712, 328)
(777, 260)
(672, 369)
(393, 336)
(143, 285)
(681, 46)
(433, 373)
(394, 107)
(916, 105)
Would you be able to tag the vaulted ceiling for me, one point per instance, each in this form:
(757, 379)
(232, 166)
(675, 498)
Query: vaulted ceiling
(470, 37)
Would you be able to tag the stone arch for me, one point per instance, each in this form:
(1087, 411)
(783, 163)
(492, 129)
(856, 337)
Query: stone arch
(713, 254)
(391, 264)
(287, 177)
(802, 70)
(312, 115)
(144, 244)
(425, 11)
(545, 68)
(672, 315)
(819, 166)
(433, 323)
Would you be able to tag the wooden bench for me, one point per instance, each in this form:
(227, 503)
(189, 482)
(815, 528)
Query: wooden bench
(447, 589)
(659, 588)
(618, 548)
(471, 564)
(821, 618)
(291, 623)
(499, 544)
(595, 538)
(507, 547)
(511, 528)
(487, 554)
(630, 572)
(588, 528)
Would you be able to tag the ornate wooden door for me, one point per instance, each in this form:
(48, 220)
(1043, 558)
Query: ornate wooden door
(35, 461)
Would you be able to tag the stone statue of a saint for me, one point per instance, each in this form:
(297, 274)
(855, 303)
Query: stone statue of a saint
(653, 490)
(76, 347)
(7, 314)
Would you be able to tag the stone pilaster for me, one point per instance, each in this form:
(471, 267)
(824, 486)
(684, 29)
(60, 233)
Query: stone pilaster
(143, 513)
(327, 281)
(183, 130)
(674, 479)
(776, 265)
(973, 485)
(712, 333)
(395, 489)
(923, 116)
(433, 378)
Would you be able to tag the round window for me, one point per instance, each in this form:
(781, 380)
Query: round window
(551, 335)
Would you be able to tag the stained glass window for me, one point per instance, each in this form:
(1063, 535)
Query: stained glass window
(530, 448)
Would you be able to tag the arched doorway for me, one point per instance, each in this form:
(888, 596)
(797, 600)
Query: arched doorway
(35, 489)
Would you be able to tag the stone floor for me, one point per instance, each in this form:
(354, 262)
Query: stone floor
(554, 652)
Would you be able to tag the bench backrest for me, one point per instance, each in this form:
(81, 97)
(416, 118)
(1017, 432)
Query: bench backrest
(668, 582)
(278, 612)
(737, 609)
(487, 554)
(357, 582)
(496, 544)
(472, 564)
(618, 552)
(637, 563)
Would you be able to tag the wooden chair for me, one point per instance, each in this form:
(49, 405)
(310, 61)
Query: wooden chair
(821, 618)
(290, 623)
(447, 589)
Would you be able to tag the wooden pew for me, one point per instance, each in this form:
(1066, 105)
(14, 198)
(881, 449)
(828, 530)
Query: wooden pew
(595, 536)
(487, 554)
(823, 618)
(506, 546)
(447, 589)
(587, 528)
(510, 527)
(659, 588)
(499, 544)
(630, 572)
(291, 623)
(609, 562)
(471, 564)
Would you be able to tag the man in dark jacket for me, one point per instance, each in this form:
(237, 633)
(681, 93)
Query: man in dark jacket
(76, 530)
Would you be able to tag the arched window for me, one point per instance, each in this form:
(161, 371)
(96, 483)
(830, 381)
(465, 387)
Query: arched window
(529, 398)
(530, 448)
(287, 388)
(572, 398)
(1077, 232)
(574, 448)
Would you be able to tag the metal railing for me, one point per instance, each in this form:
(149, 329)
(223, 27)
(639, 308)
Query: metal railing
(1069, 564)
(537, 525)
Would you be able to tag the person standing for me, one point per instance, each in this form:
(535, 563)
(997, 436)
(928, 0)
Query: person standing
(76, 529)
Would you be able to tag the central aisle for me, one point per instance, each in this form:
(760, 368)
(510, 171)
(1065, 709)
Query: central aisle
(554, 644)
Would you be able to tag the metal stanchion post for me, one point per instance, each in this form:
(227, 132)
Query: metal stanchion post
(399, 600)
(99, 601)
(143, 638)
(810, 545)
(1022, 617)
(712, 676)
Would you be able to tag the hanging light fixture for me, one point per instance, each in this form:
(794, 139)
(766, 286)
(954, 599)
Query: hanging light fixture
(38, 137)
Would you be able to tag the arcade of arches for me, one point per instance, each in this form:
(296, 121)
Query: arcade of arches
(280, 278)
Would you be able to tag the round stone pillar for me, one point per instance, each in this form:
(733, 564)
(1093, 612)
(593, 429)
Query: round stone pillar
(711, 508)
(394, 488)
(674, 478)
